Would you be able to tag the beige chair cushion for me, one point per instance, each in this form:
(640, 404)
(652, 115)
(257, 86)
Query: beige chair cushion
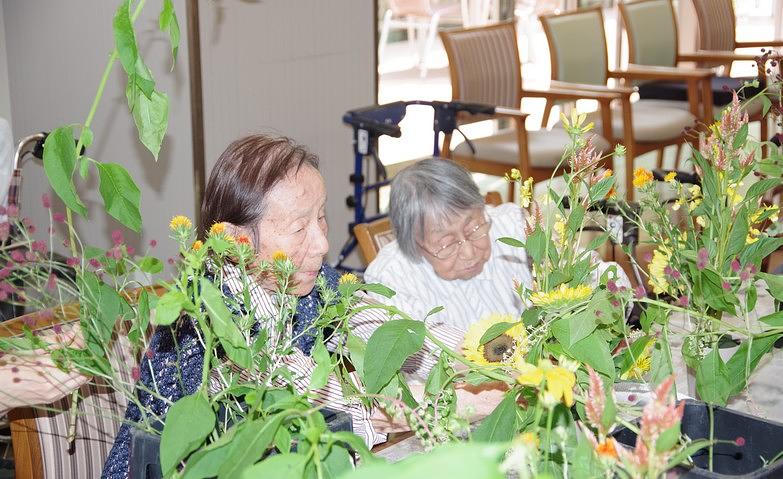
(545, 147)
(752, 108)
(652, 121)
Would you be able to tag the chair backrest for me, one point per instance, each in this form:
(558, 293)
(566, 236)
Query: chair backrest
(415, 8)
(484, 64)
(717, 24)
(577, 46)
(376, 234)
(652, 32)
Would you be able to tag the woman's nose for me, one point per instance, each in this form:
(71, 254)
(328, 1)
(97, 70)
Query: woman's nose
(467, 250)
(320, 245)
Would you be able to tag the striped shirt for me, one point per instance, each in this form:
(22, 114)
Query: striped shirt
(419, 289)
(362, 324)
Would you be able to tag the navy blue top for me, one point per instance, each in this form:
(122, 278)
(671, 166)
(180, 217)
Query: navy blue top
(177, 366)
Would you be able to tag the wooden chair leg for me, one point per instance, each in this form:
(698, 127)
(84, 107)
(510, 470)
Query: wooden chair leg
(677, 156)
(445, 151)
(547, 111)
(511, 191)
(659, 160)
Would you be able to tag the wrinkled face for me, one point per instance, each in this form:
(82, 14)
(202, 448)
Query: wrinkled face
(470, 257)
(295, 223)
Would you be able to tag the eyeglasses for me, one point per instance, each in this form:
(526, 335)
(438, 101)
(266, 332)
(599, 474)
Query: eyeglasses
(446, 252)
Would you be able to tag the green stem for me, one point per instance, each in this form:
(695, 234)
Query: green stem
(548, 436)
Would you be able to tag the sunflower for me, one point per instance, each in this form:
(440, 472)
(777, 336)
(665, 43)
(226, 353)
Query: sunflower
(641, 365)
(561, 296)
(657, 268)
(504, 349)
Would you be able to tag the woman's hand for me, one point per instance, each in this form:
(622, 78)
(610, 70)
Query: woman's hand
(32, 378)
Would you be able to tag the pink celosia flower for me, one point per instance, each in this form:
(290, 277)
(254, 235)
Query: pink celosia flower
(702, 258)
(595, 401)
(72, 261)
(39, 246)
(117, 237)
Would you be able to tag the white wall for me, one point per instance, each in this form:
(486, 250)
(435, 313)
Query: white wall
(294, 68)
(5, 94)
(56, 54)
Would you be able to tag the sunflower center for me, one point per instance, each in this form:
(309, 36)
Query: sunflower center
(499, 349)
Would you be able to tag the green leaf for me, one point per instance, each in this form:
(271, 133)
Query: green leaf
(714, 294)
(500, 425)
(85, 138)
(120, 194)
(438, 376)
(512, 242)
(151, 116)
(249, 445)
(592, 350)
(280, 465)
(169, 308)
(739, 233)
(59, 161)
(391, 344)
(575, 218)
(168, 23)
(536, 245)
(336, 461)
(775, 319)
(495, 330)
(356, 348)
(223, 325)
(766, 104)
(736, 365)
(378, 288)
(435, 310)
(124, 38)
(454, 461)
(760, 250)
(357, 444)
(685, 454)
(760, 187)
(188, 423)
(323, 363)
(668, 439)
(151, 265)
(712, 379)
(750, 297)
(774, 284)
(84, 166)
(597, 241)
(741, 137)
(599, 190)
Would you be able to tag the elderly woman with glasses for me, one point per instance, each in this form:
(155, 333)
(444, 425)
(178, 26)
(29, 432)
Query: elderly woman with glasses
(447, 252)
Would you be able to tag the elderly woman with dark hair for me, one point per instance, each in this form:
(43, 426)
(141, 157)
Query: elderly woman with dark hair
(270, 190)
(447, 252)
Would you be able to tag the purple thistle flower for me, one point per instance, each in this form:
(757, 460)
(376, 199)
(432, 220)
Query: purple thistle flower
(611, 285)
(58, 217)
(735, 265)
(640, 292)
(46, 201)
(17, 255)
(117, 237)
(51, 283)
(12, 211)
(683, 301)
(153, 243)
(726, 285)
(702, 258)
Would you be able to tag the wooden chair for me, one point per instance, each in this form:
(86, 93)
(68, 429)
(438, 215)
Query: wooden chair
(376, 234)
(577, 46)
(651, 27)
(717, 31)
(485, 68)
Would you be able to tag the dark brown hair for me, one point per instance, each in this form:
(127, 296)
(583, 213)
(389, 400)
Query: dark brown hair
(244, 174)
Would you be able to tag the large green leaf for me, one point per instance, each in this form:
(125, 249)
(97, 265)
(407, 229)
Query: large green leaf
(224, 326)
(169, 308)
(188, 423)
(391, 344)
(121, 196)
(151, 115)
(280, 465)
(454, 461)
(500, 425)
(739, 233)
(249, 445)
(775, 319)
(59, 161)
(124, 38)
(592, 350)
(323, 363)
(736, 365)
(712, 379)
(774, 284)
(536, 245)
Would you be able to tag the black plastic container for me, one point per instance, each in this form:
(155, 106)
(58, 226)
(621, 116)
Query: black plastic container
(145, 447)
(763, 440)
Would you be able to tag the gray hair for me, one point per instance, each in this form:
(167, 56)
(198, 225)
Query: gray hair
(431, 190)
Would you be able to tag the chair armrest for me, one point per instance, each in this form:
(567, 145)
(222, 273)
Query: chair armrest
(502, 111)
(761, 44)
(715, 56)
(616, 91)
(646, 72)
